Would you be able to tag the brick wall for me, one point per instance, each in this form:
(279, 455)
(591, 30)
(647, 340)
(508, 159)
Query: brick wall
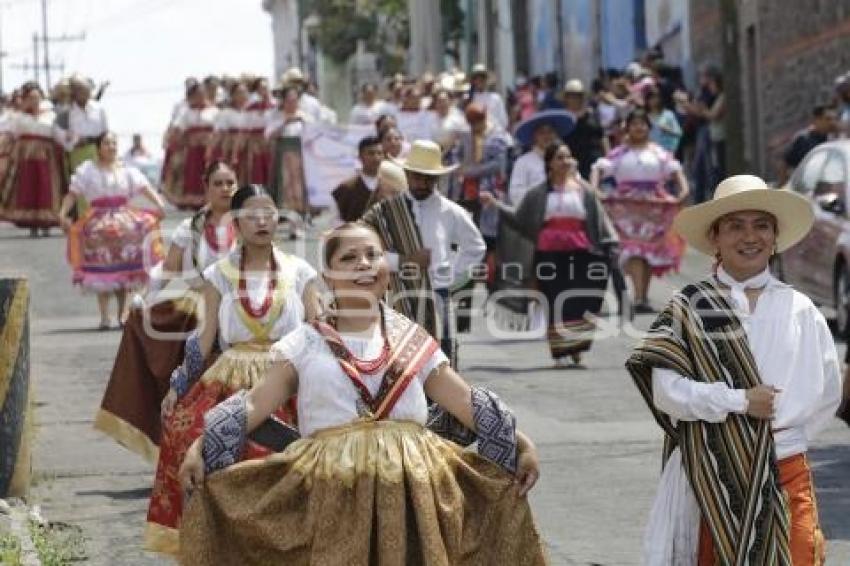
(802, 46)
(805, 44)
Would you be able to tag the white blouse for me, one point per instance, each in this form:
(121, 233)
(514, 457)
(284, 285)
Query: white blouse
(91, 182)
(197, 118)
(794, 351)
(43, 126)
(650, 163)
(230, 119)
(276, 125)
(184, 238)
(528, 172)
(565, 204)
(294, 273)
(326, 395)
(87, 122)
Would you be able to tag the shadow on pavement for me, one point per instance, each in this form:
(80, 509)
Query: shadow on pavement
(831, 470)
(86, 330)
(120, 494)
(507, 369)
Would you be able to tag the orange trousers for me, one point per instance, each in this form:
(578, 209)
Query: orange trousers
(807, 542)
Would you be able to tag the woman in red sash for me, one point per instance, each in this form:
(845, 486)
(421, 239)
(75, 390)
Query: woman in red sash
(367, 483)
(641, 205)
(253, 297)
(154, 334)
(32, 178)
(114, 245)
(257, 166)
(230, 132)
(573, 244)
(186, 152)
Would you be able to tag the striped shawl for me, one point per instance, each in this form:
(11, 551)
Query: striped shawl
(411, 288)
(731, 465)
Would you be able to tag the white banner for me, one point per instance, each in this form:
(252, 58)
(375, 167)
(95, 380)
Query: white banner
(330, 156)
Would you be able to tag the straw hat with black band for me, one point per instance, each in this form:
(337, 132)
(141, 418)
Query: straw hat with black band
(794, 214)
(426, 158)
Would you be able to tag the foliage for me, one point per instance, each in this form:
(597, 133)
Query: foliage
(10, 550)
(57, 545)
(383, 26)
(342, 24)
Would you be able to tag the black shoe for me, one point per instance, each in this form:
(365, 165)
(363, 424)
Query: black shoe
(643, 308)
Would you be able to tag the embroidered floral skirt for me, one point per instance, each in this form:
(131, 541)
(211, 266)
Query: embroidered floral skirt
(151, 347)
(644, 225)
(112, 247)
(385, 492)
(238, 368)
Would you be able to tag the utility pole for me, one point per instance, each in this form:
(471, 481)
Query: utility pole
(35, 56)
(736, 161)
(2, 53)
(47, 40)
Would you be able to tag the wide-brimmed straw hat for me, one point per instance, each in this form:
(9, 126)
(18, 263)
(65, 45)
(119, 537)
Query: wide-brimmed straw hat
(561, 121)
(425, 157)
(391, 175)
(794, 214)
(574, 86)
(293, 75)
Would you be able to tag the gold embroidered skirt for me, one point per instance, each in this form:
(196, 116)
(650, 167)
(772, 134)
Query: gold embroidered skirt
(384, 492)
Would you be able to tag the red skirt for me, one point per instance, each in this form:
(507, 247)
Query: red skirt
(34, 183)
(238, 368)
(183, 172)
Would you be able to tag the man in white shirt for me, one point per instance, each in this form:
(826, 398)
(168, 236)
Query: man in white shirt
(529, 170)
(307, 103)
(741, 372)
(86, 122)
(491, 101)
(444, 245)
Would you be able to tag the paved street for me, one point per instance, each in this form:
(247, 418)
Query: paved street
(599, 446)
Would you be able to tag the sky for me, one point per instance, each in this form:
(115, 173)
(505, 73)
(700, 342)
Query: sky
(144, 48)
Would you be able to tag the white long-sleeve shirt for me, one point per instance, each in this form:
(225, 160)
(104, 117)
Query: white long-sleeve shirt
(794, 351)
(528, 172)
(444, 224)
(88, 122)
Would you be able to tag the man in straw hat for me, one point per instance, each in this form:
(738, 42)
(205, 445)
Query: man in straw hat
(483, 96)
(86, 121)
(432, 243)
(740, 370)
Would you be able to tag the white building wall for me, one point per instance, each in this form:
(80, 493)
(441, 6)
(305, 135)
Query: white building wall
(284, 15)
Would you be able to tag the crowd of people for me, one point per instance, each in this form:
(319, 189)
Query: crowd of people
(545, 197)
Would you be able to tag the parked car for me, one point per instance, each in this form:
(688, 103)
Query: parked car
(819, 265)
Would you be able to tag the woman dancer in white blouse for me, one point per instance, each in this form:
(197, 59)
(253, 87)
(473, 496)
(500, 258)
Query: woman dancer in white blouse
(32, 186)
(113, 246)
(338, 495)
(253, 297)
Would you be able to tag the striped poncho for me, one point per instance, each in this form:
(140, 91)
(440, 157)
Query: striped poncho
(731, 465)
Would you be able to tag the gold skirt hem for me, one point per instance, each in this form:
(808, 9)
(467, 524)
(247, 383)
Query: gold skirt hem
(126, 435)
(367, 493)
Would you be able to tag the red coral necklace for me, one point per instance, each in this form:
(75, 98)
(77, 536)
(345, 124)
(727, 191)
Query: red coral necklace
(244, 297)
